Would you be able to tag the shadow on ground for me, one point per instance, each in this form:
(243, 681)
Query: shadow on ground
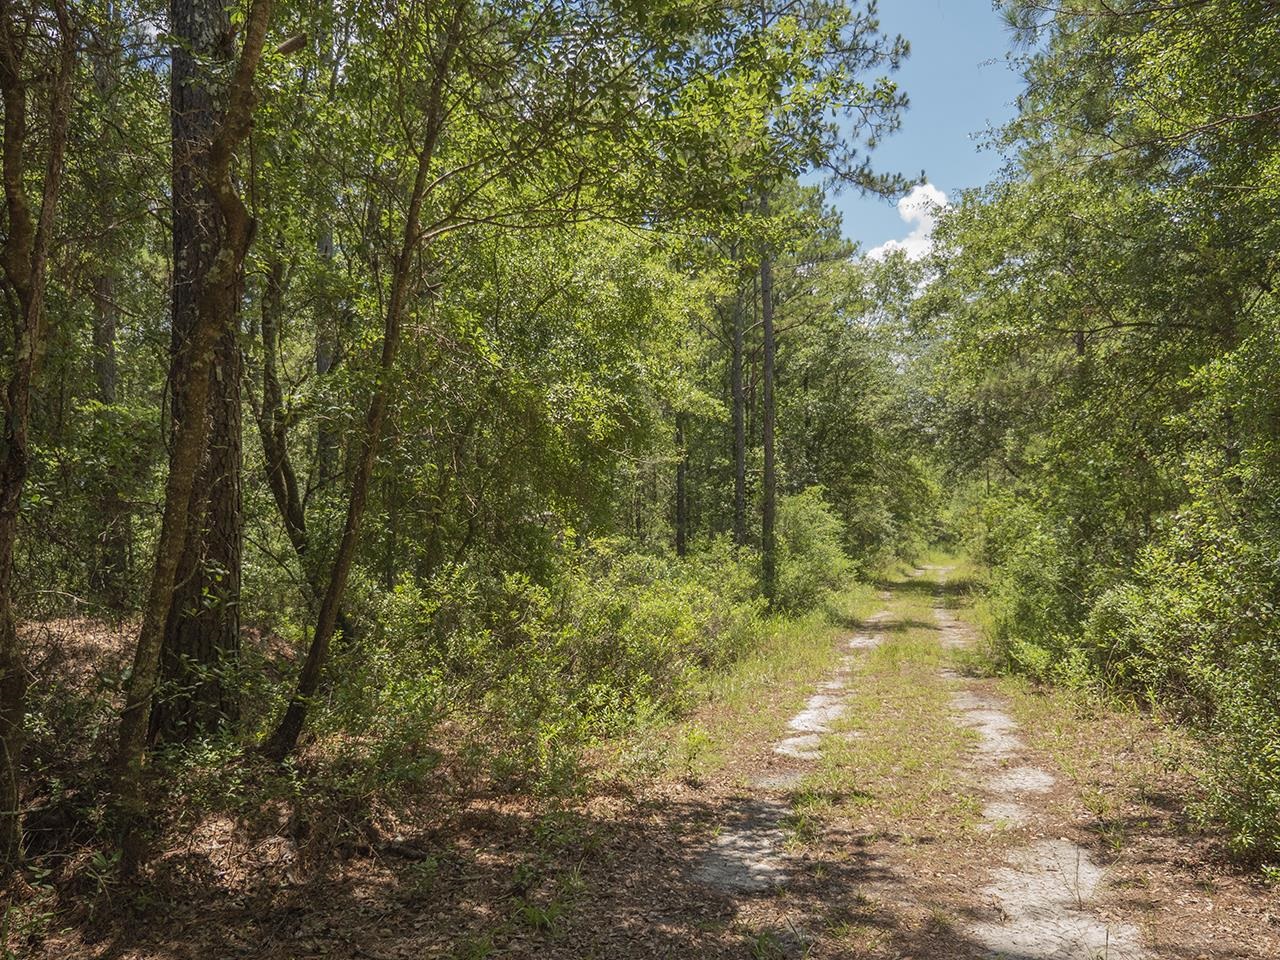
(950, 591)
(620, 881)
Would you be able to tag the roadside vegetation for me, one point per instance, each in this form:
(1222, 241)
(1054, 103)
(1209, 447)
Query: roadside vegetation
(416, 407)
(405, 395)
(1103, 323)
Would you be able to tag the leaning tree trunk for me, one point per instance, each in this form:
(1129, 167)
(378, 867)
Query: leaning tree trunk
(24, 254)
(202, 633)
(273, 431)
(284, 738)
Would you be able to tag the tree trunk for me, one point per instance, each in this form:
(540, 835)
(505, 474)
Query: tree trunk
(768, 544)
(285, 737)
(109, 576)
(273, 431)
(202, 632)
(682, 503)
(739, 424)
(216, 293)
(202, 636)
(24, 254)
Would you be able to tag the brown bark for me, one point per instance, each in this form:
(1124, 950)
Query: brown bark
(202, 632)
(272, 425)
(273, 431)
(24, 256)
(768, 539)
(216, 292)
(285, 737)
(739, 425)
(682, 501)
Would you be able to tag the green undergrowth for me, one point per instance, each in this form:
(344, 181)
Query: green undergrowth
(609, 663)
(751, 700)
(1125, 747)
(534, 678)
(524, 683)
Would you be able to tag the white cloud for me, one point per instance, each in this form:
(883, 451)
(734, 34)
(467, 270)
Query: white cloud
(919, 209)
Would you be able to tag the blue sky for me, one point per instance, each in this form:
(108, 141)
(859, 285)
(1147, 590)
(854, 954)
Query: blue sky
(960, 84)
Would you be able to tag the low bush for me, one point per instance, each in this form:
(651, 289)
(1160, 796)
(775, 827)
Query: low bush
(811, 558)
(1197, 631)
(1193, 630)
(524, 675)
(521, 675)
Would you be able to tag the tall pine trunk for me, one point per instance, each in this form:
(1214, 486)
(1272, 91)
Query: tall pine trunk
(768, 537)
(216, 292)
(202, 632)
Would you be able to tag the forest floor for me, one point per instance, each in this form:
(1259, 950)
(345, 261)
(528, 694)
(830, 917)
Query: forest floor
(880, 796)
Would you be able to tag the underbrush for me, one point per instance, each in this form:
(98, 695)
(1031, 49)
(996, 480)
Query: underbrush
(1192, 632)
(524, 676)
(1196, 631)
(518, 679)
(472, 678)
(793, 653)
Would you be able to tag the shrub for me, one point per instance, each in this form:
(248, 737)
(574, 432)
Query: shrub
(532, 673)
(811, 560)
(1196, 631)
(1193, 630)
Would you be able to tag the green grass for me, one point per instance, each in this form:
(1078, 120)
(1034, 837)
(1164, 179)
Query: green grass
(1115, 755)
(897, 755)
(752, 699)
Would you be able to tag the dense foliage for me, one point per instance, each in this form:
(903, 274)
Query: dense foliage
(1106, 372)
(407, 393)
(372, 376)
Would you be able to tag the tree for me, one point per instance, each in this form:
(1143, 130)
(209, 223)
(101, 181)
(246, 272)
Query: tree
(202, 635)
(32, 38)
(769, 511)
(817, 112)
(1104, 326)
(738, 402)
(558, 158)
(404, 279)
(217, 289)
(110, 574)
